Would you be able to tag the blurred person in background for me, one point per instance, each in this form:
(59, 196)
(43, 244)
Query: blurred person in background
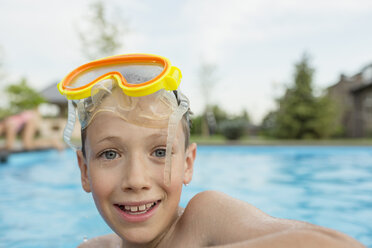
(26, 123)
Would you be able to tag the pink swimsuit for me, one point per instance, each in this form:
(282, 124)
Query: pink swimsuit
(20, 119)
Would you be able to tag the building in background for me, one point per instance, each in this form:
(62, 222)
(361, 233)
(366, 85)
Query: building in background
(52, 96)
(353, 97)
(58, 121)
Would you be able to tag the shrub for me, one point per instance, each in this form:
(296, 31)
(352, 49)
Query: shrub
(233, 129)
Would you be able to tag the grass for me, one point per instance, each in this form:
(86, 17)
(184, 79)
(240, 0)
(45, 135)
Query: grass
(260, 141)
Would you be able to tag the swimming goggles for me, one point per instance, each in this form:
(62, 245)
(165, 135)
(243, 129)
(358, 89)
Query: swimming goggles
(155, 72)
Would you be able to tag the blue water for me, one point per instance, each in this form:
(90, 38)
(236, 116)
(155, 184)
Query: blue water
(42, 203)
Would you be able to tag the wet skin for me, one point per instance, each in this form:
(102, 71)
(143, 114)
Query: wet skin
(124, 168)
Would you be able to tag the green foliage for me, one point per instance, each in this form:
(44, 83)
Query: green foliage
(196, 126)
(208, 80)
(326, 124)
(21, 97)
(103, 36)
(200, 120)
(233, 129)
(219, 113)
(301, 114)
(268, 124)
(245, 116)
(4, 112)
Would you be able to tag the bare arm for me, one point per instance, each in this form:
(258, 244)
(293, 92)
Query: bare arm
(296, 239)
(229, 222)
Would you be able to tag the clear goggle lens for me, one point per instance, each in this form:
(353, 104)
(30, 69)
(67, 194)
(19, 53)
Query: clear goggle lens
(134, 73)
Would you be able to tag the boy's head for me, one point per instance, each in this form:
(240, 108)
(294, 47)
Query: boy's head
(124, 170)
(135, 135)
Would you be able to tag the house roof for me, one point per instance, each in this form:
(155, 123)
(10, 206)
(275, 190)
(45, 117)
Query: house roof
(361, 88)
(52, 95)
(358, 82)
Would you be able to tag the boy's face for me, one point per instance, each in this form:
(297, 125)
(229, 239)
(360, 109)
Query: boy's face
(124, 170)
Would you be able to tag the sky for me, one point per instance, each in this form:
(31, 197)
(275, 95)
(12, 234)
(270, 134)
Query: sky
(253, 44)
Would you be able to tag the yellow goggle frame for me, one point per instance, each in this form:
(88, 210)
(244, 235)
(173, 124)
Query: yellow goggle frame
(168, 79)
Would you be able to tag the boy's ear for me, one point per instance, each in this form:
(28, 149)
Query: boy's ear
(83, 171)
(189, 163)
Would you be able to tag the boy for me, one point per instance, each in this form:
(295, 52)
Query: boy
(135, 158)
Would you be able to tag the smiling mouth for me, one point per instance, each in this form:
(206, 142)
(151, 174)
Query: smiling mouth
(137, 209)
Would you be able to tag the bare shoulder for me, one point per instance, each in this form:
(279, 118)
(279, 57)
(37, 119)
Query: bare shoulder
(215, 202)
(109, 241)
(224, 220)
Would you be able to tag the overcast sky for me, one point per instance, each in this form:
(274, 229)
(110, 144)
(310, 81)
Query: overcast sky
(253, 43)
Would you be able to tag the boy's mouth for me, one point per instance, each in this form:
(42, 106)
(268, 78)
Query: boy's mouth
(137, 209)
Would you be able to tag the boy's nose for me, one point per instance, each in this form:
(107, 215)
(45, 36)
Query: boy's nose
(135, 176)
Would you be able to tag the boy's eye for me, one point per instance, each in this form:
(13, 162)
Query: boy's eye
(109, 154)
(160, 153)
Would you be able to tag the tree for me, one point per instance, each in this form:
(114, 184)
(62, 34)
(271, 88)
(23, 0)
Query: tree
(102, 37)
(268, 124)
(18, 96)
(199, 122)
(208, 79)
(3, 110)
(301, 114)
(234, 129)
(22, 97)
(231, 126)
(2, 72)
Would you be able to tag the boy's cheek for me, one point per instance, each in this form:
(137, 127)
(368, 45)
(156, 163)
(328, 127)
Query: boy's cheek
(102, 182)
(178, 172)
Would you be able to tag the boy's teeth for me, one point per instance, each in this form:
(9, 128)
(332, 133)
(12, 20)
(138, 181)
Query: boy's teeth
(137, 209)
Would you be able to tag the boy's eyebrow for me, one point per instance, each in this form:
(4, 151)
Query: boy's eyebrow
(162, 137)
(110, 138)
(158, 135)
(117, 138)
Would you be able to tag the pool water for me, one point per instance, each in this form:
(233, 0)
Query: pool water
(42, 203)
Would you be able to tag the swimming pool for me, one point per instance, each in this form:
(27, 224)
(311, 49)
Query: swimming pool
(42, 203)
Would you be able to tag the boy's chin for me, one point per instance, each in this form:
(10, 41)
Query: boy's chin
(140, 236)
